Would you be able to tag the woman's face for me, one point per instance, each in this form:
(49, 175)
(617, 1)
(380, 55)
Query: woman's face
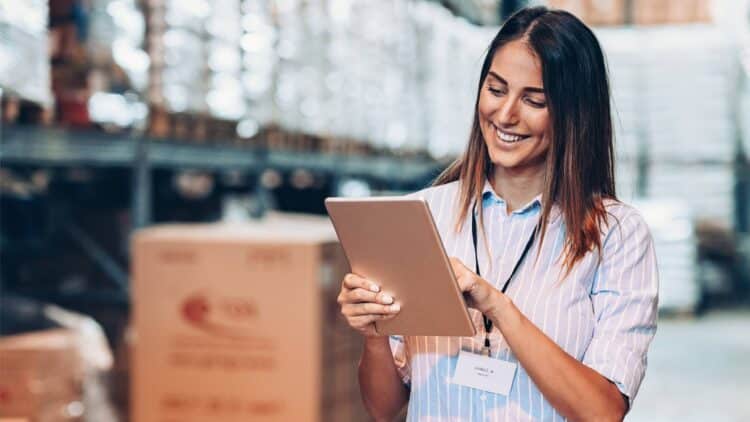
(513, 113)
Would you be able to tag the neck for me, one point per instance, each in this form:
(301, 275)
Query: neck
(517, 187)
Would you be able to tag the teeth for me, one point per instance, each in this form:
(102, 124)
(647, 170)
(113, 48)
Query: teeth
(508, 138)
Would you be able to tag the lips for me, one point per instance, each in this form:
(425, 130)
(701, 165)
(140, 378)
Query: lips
(509, 137)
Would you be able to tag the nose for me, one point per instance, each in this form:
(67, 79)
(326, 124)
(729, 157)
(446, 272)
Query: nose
(507, 114)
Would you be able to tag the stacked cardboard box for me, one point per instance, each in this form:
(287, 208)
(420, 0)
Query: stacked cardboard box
(639, 12)
(657, 12)
(41, 377)
(606, 12)
(240, 322)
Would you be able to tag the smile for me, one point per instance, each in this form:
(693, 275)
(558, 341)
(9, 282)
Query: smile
(509, 137)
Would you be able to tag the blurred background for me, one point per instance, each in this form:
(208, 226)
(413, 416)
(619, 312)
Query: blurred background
(119, 115)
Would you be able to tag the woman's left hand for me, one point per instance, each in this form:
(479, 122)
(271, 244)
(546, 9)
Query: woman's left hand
(478, 292)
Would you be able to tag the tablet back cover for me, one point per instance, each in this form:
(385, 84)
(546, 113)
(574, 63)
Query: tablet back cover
(393, 241)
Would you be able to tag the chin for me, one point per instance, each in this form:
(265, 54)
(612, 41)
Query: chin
(505, 160)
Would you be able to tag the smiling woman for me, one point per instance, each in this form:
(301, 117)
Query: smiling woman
(513, 114)
(564, 280)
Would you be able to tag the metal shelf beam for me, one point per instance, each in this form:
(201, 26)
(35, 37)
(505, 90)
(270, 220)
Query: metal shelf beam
(44, 146)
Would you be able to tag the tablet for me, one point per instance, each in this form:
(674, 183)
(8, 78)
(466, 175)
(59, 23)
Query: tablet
(393, 241)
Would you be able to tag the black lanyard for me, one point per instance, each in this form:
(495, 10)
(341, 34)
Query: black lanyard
(487, 321)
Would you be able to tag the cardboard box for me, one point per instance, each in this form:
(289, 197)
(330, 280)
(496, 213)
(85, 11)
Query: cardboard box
(240, 322)
(660, 12)
(594, 12)
(41, 377)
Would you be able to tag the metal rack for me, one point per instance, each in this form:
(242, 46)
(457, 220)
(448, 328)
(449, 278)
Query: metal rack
(60, 147)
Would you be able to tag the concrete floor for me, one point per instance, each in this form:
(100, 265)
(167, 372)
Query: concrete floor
(699, 370)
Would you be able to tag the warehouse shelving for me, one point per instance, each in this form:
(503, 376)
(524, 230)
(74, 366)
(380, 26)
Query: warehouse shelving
(46, 146)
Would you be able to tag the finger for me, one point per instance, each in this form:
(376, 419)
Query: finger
(457, 266)
(465, 282)
(363, 321)
(359, 295)
(358, 309)
(384, 298)
(353, 281)
(364, 296)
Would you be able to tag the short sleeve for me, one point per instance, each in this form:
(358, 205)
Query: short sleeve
(401, 358)
(624, 295)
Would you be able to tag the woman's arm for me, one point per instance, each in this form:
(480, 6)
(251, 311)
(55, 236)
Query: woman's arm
(362, 304)
(624, 297)
(578, 392)
(383, 392)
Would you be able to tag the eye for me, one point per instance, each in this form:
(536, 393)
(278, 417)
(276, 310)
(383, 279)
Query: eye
(496, 91)
(535, 103)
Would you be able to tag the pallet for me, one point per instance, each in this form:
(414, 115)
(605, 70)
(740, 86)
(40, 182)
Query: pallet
(191, 128)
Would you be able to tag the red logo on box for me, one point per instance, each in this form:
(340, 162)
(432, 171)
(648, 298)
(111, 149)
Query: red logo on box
(224, 316)
(4, 396)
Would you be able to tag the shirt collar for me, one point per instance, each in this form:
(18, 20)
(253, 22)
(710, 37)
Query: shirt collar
(490, 197)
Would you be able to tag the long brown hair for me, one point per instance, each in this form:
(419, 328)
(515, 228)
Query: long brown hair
(580, 161)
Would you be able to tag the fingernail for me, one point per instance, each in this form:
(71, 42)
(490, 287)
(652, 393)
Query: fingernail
(374, 288)
(387, 299)
(395, 307)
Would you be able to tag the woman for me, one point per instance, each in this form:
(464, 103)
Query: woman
(559, 272)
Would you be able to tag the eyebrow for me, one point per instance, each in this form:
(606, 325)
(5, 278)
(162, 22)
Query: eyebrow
(526, 88)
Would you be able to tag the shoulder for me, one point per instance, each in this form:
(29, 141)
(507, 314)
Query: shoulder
(434, 195)
(623, 221)
(444, 203)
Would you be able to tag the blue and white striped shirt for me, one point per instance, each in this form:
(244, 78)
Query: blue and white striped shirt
(603, 313)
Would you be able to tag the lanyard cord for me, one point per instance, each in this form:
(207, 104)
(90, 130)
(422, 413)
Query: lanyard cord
(487, 321)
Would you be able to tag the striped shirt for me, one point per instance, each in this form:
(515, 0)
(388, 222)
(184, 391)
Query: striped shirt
(603, 313)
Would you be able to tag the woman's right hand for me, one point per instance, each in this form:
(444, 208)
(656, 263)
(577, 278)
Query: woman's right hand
(362, 303)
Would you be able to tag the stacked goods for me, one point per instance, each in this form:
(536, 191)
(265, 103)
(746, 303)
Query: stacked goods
(682, 147)
(659, 12)
(624, 63)
(448, 92)
(240, 322)
(676, 252)
(639, 12)
(119, 66)
(685, 148)
(679, 61)
(375, 96)
(51, 362)
(41, 376)
(24, 65)
(594, 12)
(707, 189)
(177, 76)
(259, 63)
(211, 72)
(194, 92)
(692, 143)
(343, 71)
(297, 65)
(70, 63)
(89, 58)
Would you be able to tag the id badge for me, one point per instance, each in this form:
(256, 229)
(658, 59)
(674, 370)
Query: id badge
(484, 373)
